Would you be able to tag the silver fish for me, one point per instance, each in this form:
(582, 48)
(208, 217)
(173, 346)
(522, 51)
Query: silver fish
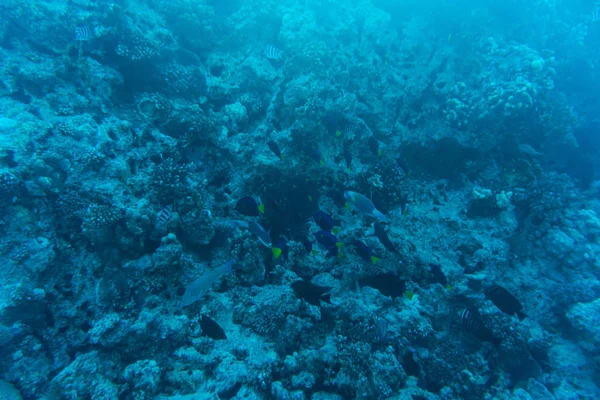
(200, 286)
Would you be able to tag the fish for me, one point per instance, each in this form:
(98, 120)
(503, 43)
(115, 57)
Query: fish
(439, 276)
(275, 149)
(402, 164)
(386, 283)
(164, 215)
(374, 146)
(404, 204)
(363, 205)
(324, 220)
(272, 52)
(383, 237)
(281, 249)
(249, 207)
(307, 245)
(596, 15)
(200, 286)
(347, 157)
(264, 237)
(211, 329)
(83, 33)
(313, 294)
(505, 301)
(409, 295)
(314, 154)
(472, 323)
(329, 241)
(365, 251)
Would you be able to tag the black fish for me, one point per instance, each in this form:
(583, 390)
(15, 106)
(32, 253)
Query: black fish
(374, 146)
(439, 276)
(388, 284)
(505, 301)
(249, 207)
(472, 323)
(383, 237)
(313, 294)
(211, 329)
(275, 149)
(315, 154)
(329, 241)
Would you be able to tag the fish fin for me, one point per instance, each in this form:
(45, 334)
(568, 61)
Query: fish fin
(314, 252)
(261, 208)
(339, 245)
(335, 230)
(276, 252)
(321, 162)
(374, 260)
(338, 133)
(521, 315)
(348, 169)
(409, 295)
(326, 298)
(309, 197)
(449, 287)
(340, 256)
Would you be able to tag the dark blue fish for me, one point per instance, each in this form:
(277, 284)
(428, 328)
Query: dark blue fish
(383, 237)
(275, 149)
(505, 301)
(83, 33)
(329, 241)
(365, 251)
(306, 243)
(314, 154)
(324, 220)
(438, 275)
(249, 207)
(281, 249)
(374, 146)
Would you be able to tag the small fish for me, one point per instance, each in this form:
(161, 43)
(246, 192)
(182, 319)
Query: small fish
(164, 215)
(472, 323)
(374, 146)
(264, 237)
(275, 149)
(404, 204)
(387, 284)
(83, 33)
(211, 329)
(402, 164)
(314, 154)
(347, 157)
(313, 294)
(383, 237)
(338, 133)
(324, 220)
(273, 52)
(439, 276)
(365, 251)
(281, 249)
(363, 205)
(505, 301)
(596, 15)
(249, 207)
(329, 241)
(200, 286)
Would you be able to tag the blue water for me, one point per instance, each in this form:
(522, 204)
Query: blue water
(162, 162)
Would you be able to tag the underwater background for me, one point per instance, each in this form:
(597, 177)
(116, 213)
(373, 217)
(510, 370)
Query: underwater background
(299, 199)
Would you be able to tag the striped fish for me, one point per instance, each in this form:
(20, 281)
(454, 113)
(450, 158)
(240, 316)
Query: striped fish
(164, 216)
(472, 323)
(273, 52)
(83, 33)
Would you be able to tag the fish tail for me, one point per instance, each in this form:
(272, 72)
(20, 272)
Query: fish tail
(379, 152)
(314, 252)
(282, 157)
(339, 245)
(374, 259)
(261, 208)
(335, 230)
(276, 252)
(409, 295)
